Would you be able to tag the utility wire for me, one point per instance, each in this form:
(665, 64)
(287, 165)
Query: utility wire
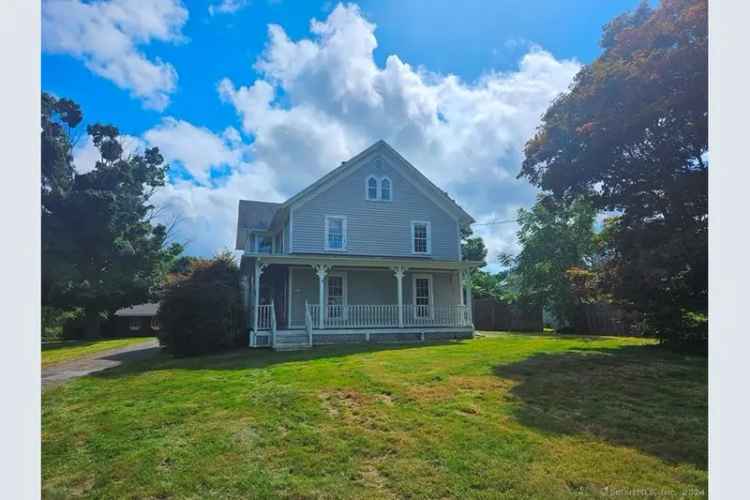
(493, 222)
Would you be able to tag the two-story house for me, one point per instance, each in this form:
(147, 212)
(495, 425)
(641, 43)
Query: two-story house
(370, 252)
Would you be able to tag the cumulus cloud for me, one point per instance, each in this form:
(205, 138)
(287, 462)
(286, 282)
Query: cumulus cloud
(105, 36)
(320, 100)
(226, 7)
(467, 137)
(197, 149)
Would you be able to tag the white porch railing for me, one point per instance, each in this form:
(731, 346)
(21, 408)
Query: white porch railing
(265, 316)
(386, 316)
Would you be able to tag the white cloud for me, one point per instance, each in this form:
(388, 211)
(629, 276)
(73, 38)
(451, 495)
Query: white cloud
(467, 137)
(196, 148)
(105, 35)
(227, 7)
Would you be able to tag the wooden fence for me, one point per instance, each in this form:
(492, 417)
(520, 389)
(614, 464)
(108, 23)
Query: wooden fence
(491, 314)
(607, 319)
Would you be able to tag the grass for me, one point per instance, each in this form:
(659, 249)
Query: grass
(59, 352)
(502, 416)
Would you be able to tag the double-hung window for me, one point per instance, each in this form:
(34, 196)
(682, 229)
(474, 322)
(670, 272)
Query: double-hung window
(385, 189)
(335, 232)
(421, 237)
(372, 188)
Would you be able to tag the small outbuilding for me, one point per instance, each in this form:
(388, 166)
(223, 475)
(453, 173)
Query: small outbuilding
(137, 321)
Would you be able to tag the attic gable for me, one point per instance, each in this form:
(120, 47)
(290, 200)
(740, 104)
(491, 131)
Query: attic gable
(406, 169)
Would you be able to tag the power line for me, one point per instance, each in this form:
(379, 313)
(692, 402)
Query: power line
(493, 222)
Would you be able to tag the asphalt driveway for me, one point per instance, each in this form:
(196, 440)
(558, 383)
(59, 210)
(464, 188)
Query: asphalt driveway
(62, 372)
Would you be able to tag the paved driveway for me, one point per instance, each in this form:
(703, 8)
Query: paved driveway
(62, 372)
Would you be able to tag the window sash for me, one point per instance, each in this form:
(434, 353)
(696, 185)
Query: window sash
(421, 243)
(385, 190)
(372, 189)
(335, 233)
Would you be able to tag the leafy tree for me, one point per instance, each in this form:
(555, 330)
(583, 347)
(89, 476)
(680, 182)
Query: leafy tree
(631, 136)
(497, 286)
(472, 247)
(201, 309)
(555, 237)
(100, 249)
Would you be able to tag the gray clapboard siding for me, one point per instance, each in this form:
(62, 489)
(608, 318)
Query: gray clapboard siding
(379, 228)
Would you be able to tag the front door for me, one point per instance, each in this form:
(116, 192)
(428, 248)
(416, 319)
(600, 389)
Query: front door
(336, 295)
(422, 296)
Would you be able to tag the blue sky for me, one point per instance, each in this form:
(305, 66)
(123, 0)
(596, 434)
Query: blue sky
(157, 74)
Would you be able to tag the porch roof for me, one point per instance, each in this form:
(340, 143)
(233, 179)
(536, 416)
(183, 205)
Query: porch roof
(365, 261)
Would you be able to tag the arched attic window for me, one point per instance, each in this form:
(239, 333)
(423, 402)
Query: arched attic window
(371, 188)
(385, 189)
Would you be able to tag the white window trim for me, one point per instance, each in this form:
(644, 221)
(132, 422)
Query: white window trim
(344, 291)
(429, 237)
(344, 239)
(155, 323)
(414, 278)
(380, 189)
(367, 188)
(134, 323)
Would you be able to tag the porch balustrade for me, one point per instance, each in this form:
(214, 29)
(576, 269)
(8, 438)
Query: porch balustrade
(265, 316)
(387, 316)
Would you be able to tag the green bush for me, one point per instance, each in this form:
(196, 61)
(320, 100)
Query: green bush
(55, 322)
(201, 309)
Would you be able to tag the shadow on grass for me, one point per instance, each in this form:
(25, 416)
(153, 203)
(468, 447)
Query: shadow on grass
(635, 396)
(244, 358)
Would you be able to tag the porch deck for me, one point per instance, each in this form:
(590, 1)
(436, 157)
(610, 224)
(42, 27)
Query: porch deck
(363, 323)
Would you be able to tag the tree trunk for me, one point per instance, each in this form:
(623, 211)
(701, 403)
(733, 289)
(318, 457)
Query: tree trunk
(92, 324)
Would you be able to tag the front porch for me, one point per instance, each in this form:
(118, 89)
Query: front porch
(304, 301)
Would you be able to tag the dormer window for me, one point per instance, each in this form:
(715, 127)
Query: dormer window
(372, 188)
(385, 189)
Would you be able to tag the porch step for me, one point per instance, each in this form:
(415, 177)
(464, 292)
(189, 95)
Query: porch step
(292, 339)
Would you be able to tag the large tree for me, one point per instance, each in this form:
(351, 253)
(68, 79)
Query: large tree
(100, 250)
(555, 237)
(631, 136)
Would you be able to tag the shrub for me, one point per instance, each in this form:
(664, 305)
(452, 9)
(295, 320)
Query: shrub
(59, 323)
(201, 309)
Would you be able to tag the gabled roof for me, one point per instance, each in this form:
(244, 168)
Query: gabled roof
(139, 310)
(260, 215)
(254, 215)
(412, 173)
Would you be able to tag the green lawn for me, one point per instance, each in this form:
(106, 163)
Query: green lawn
(510, 416)
(57, 352)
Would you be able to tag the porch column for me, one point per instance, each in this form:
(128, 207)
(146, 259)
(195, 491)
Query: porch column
(257, 271)
(460, 281)
(467, 285)
(322, 271)
(399, 272)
